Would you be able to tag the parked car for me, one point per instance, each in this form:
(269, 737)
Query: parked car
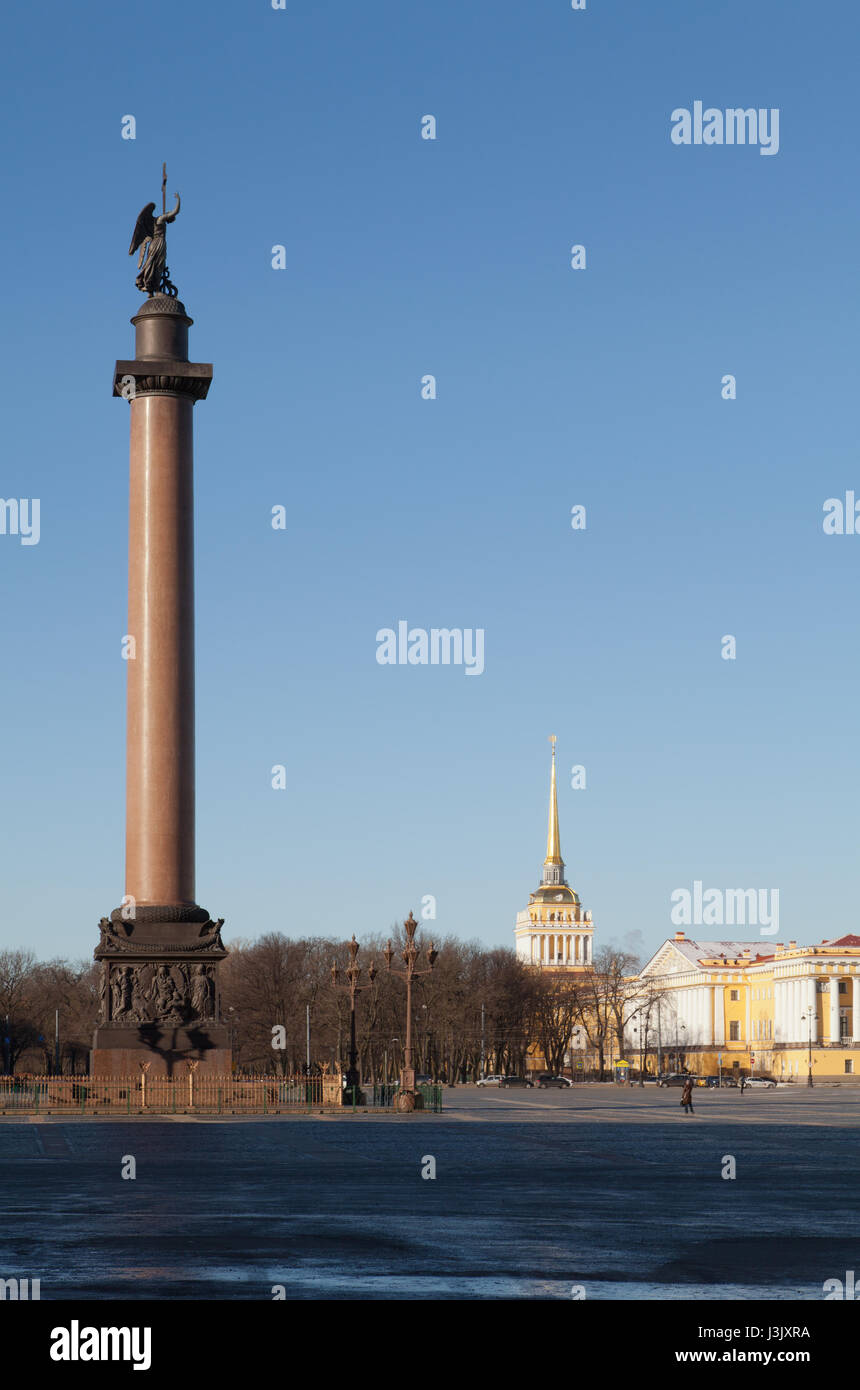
(495, 1080)
(717, 1081)
(760, 1081)
(546, 1079)
(514, 1081)
(675, 1078)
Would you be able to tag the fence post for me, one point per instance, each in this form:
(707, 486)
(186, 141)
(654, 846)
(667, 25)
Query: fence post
(144, 1068)
(192, 1067)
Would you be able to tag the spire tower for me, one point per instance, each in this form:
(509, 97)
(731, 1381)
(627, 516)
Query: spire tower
(554, 930)
(553, 865)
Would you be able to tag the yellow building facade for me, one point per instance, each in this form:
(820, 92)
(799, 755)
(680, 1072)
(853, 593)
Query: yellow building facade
(753, 1008)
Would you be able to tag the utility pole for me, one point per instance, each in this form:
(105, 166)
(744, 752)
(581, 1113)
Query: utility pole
(307, 1039)
(483, 1064)
(659, 1039)
(56, 1042)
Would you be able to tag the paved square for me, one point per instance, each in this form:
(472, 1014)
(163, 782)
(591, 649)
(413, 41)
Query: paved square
(610, 1188)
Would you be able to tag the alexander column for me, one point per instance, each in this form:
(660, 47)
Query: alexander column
(159, 950)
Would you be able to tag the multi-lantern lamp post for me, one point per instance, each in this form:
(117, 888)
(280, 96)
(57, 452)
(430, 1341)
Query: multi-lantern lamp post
(352, 1093)
(405, 1098)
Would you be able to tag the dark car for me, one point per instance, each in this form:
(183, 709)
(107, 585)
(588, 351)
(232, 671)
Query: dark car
(514, 1081)
(716, 1081)
(546, 1079)
(675, 1078)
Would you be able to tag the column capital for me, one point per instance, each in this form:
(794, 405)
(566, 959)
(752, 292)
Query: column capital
(166, 376)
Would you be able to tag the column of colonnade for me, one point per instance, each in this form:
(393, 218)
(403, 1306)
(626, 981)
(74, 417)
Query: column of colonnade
(834, 1006)
(573, 948)
(719, 1014)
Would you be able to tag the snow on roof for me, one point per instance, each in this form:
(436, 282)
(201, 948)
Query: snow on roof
(697, 951)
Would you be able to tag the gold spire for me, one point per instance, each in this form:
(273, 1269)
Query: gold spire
(553, 848)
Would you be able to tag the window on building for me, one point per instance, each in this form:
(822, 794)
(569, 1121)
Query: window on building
(734, 1032)
(734, 994)
(735, 1066)
(843, 986)
(849, 1066)
(843, 1027)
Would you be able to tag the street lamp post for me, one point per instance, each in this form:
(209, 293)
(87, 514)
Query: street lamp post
(405, 1098)
(638, 1034)
(807, 1019)
(352, 1089)
(233, 1025)
(576, 1034)
(679, 1028)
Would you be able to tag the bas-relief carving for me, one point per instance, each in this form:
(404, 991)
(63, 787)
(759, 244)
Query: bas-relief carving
(161, 993)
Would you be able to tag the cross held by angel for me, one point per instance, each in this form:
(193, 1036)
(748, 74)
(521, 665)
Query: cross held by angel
(150, 234)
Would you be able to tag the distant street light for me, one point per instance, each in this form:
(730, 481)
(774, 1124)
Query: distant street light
(807, 1019)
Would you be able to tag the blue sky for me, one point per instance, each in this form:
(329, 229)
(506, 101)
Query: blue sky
(556, 387)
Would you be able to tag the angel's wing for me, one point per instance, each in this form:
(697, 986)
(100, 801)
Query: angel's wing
(143, 227)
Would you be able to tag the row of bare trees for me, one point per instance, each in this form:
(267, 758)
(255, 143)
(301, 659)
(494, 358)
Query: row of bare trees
(275, 980)
(479, 1010)
(38, 1001)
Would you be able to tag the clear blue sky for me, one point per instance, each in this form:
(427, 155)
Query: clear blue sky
(555, 387)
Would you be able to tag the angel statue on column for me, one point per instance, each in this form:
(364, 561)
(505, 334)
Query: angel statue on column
(150, 234)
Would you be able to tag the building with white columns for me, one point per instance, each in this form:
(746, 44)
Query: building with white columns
(553, 931)
(756, 1007)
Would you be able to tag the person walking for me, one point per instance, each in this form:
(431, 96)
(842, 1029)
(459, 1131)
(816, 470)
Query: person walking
(687, 1097)
(743, 1084)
